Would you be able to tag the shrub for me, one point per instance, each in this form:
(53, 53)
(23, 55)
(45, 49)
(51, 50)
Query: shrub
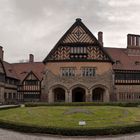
(123, 104)
(70, 131)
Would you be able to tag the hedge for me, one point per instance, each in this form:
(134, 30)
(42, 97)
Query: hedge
(70, 131)
(121, 104)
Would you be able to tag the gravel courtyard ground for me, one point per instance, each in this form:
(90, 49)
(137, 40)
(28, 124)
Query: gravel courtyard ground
(10, 135)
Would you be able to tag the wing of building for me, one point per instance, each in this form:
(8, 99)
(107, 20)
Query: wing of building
(78, 69)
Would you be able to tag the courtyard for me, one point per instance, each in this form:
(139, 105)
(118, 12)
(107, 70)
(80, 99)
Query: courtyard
(66, 120)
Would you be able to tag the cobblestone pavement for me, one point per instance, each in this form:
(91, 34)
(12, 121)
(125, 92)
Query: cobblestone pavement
(10, 135)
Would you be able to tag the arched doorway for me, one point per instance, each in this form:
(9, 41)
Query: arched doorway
(59, 95)
(78, 95)
(98, 94)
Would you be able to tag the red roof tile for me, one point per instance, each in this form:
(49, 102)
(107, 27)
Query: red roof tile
(10, 72)
(127, 62)
(22, 69)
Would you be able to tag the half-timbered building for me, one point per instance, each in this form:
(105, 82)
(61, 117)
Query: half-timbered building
(20, 82)
(79, 68)
(127, 69)
(30, 75)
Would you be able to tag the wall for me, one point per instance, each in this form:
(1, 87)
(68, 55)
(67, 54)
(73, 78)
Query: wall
(128, 92)
(52, 79)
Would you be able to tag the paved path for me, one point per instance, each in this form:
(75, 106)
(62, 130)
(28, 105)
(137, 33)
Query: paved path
(8, 106)
(10, 135)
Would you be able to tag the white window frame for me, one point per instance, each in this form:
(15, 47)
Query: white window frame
(68, 71)
(88, 71)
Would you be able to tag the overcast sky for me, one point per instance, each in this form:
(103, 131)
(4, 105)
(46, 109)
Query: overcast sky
(35, 26)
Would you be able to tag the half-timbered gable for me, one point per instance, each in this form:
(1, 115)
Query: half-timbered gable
(78, 44)
(30, 87)
(30, 75)
(77, 59)
(78, 69)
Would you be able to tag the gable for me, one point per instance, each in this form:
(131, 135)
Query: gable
(31, 76)
(78, 44)
(78, 35)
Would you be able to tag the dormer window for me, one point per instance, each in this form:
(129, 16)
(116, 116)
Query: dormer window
(137, 62)
(118, 62)
(10, 70)
(24, 72)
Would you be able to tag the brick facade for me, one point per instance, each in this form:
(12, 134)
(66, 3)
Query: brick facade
(53, 79)
(78, 69)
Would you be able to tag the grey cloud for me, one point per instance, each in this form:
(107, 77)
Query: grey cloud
(32, 26)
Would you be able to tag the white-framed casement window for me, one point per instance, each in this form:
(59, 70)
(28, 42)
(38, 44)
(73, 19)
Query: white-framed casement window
(68, 71)
(88, 71)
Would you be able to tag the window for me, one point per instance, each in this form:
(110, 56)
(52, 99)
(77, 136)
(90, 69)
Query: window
(127, 77)
(67, 71)
(78, 52)
(14, 95)
(2, 77)
(88, 71)
(31, 82)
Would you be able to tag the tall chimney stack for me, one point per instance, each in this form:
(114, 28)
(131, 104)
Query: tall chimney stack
(1, 52)
(100, 37)
(31, 58)
(133, 41)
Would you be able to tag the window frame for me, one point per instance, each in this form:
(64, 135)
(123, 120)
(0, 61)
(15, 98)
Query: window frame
(88, 71)
(68, 71)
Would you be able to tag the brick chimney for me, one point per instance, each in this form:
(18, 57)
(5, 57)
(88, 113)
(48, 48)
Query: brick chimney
(133, 44)
(1, 52)
(133, 41)
(31, 58)
(100, 37)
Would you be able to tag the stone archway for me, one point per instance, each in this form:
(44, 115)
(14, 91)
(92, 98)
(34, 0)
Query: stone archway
(98, 94)
(78, 94)
(59, 94)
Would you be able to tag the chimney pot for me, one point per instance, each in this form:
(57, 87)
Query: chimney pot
(100, 37)
(31, 58)
(78, 19)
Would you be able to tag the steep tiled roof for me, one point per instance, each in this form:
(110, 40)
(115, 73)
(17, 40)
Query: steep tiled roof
(10, 72)
(123, 60)
(22, 69)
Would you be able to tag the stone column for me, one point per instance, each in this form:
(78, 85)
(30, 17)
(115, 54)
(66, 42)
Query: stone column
(50, 97)
(66, 96)
(106, 96)
(70, 96)
(2, 94)
(88, 95)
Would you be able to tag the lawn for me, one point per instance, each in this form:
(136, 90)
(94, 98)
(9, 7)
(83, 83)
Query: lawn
(68, 117)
